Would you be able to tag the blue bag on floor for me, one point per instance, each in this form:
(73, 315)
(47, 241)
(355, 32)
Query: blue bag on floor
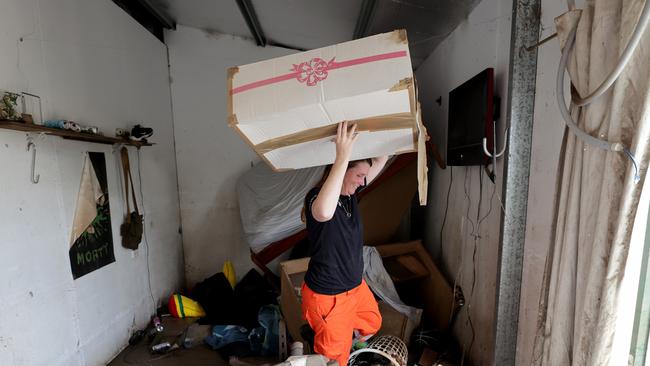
(269, 318)
(223, 335)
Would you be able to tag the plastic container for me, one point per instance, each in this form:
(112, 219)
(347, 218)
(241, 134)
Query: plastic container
(386, 349)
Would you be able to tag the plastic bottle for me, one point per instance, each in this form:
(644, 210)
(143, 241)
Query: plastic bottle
(157, 324)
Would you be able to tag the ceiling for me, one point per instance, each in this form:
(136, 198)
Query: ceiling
(309, 24)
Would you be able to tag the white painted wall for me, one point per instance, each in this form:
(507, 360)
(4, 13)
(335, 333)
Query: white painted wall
(90, 62)
(210, 155)
(481, 41)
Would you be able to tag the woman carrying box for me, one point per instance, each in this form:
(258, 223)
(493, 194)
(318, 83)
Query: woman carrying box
(336, 302)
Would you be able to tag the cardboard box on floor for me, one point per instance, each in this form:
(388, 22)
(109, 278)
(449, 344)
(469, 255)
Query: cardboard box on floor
(410, 264)
(417, 265)
(287, 108)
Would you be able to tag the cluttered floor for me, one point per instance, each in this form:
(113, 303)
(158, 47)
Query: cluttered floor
(257, 321)
(140, 353)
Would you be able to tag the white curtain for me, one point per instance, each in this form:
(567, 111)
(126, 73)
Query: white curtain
(597, 196)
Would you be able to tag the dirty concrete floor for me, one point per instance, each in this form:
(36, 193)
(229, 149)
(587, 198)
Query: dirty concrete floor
(198, 356)
(139, 355)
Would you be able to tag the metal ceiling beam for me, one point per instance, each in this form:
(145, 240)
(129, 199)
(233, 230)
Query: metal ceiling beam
(365, 18)
(152, 19)
(248, 12)
(160, 15)
(521, 103)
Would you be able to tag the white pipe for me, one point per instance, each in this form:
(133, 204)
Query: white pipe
(625, 58)
(559, 92)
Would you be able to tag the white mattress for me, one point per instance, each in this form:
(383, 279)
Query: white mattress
(270, 202)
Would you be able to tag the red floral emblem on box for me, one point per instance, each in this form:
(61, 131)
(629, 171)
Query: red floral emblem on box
(312, 71)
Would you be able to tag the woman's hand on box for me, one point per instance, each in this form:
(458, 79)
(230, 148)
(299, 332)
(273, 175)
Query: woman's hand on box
(346, 136)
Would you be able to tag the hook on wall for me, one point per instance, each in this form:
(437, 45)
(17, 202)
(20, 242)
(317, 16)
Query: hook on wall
(495, 154)
(117, 147)
(31, 145)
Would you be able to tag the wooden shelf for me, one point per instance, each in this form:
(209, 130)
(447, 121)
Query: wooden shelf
(70, 135)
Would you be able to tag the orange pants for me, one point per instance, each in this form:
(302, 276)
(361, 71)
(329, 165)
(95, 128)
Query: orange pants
(334, 317)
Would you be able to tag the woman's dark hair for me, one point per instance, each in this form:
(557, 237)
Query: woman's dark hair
(351, 164)
(354, 163)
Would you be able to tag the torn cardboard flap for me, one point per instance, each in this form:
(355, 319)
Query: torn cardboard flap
(400, 36)
(403, 84)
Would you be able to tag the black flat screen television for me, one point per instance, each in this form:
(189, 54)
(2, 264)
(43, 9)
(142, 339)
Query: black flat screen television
(471, 115)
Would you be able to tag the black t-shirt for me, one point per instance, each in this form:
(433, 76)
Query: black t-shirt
(336, 247)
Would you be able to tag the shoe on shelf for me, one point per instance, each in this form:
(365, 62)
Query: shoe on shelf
(139, 133)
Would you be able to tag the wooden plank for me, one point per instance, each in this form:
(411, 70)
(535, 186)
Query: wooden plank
(67, 134)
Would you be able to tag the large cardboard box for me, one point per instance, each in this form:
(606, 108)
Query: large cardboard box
(287, 108)
(292, 274)
(409, 265)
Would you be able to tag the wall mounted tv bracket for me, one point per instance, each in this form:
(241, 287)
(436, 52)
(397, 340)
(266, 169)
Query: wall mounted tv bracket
(494, 154)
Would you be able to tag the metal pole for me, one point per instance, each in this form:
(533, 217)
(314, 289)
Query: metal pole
(521, 100)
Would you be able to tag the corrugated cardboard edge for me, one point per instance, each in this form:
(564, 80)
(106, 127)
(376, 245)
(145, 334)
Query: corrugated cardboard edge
(234, 123)
(289, 303)
(421, 143)
(413, 105)
(373, 124)
(400, 36)
(232, 118)
(423, 180)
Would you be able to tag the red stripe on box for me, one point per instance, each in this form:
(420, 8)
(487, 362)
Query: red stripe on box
(321, 73)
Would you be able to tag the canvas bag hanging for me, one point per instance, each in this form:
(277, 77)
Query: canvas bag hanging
(131, 229)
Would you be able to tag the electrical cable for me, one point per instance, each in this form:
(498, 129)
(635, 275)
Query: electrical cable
(444, 220)
(494, 190)
(637, 177)
(469, 199)
(477, 237)
(144, 231)
(462, 261)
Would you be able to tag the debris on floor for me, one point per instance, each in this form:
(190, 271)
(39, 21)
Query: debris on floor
(247, 327)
